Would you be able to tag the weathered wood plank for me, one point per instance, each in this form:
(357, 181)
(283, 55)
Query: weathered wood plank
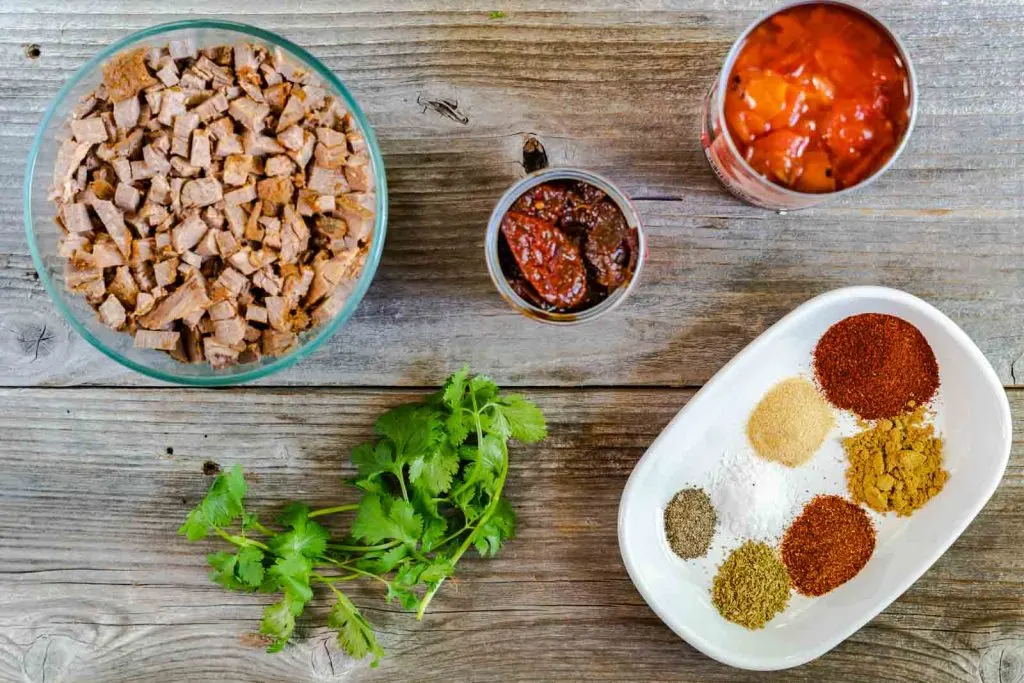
(615, 87)
(94, 584)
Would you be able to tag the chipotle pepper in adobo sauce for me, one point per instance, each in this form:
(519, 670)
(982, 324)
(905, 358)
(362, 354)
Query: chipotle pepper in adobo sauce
(818, 98)
(547, 258)
(566, 246)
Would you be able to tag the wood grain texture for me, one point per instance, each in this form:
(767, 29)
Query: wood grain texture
(95, 585)
(611, 86)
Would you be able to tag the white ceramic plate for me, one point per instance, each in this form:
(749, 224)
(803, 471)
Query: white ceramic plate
(972, 414)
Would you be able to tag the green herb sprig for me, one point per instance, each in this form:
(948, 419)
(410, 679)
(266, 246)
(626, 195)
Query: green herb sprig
(431, 482)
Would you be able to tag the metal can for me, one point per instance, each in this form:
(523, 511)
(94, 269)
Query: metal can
(733, 170)
(494, 229)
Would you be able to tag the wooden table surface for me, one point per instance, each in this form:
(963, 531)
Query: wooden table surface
(98, 466)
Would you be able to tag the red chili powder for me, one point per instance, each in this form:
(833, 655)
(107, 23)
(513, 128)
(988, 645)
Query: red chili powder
(827, 545)
(874, 365)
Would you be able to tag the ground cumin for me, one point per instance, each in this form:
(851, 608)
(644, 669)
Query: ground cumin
(751, 586)
(896, 464)
(874, 365)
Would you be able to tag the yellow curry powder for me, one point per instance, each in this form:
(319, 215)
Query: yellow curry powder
(896, 464)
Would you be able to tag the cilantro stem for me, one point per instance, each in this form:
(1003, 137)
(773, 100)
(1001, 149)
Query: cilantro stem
(491, 507)
(240, 541)
(359, 571)
(454, 535)
(364, 548)
(471, 479)
(332, 510)
(332, 579)
(401, 482)
(262, 529)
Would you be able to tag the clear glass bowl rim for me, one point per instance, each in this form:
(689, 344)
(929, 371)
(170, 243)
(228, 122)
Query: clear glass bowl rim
(379, 228)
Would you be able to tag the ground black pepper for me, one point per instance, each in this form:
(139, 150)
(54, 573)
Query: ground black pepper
(690, 523)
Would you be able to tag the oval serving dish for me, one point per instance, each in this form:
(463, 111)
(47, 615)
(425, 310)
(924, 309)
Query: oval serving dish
(971, 413)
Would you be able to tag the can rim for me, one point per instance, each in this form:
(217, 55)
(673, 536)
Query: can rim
(734, 51)
(629, 212)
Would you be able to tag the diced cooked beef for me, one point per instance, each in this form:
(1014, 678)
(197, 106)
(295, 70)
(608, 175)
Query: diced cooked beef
(249, 113)
(126, 74)
(184, 300)
(127, 112)
(201, 192)
(112, 312)
(89, 130)
(155, 339)
(206, 201)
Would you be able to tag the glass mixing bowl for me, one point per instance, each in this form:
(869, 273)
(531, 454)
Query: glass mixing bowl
(43, 233)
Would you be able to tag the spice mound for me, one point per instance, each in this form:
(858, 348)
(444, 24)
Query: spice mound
(790, 423)
(690, 523)
(895, 465)
(827, 545)
(817, 100)
(213, 203)
(566, 246)
(753, 497)
(751, 586)
(875, 365)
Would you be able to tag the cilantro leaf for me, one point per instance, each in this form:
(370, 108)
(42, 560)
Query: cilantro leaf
(436, 571)
(483, 389)
(455, 388)
(402, 587)
(221, 506)
(250, 521)
(499, 527)
(223, 564)
(292, 513)
(525, 420)
(354, 633)
(495, 423)
(434, 471)
(458, 427)
(408, 523)
(307, 536)
(374, 459)
(414, 429)
(249, 568)
(279, 621)
(434, 531)
(372, 523)
(469, 502)
(383, 562)
(241, 571)
(383, 518)
(488, 459)
(291, 573)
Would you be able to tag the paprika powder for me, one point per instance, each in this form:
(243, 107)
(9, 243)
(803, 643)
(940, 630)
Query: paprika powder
(827, 545)
(875, 365)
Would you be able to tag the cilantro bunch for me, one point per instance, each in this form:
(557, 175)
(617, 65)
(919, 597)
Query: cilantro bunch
(431, 482)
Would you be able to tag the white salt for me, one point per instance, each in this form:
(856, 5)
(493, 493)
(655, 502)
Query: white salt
(752, 497)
